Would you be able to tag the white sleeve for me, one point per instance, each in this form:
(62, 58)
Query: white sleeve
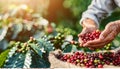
(98, 10)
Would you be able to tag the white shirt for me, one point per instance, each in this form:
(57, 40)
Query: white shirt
(99, 9)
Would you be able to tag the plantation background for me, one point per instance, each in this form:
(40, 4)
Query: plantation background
(22, 19)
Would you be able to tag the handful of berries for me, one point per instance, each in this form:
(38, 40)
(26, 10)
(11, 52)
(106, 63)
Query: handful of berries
(90, 36)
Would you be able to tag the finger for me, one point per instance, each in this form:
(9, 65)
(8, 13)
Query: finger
(80, 41)
(82, 33)
(111, 36)
(97, 47)
(103, 43)
(91, 48)
(92, 43)
(105, 33)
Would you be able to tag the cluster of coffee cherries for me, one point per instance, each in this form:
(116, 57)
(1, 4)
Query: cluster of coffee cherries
(92, 60)
(90, 36)
(24, 47)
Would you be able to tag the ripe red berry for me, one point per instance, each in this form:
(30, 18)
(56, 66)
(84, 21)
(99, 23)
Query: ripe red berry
(100, 56)
(72, 42)
(100, 66)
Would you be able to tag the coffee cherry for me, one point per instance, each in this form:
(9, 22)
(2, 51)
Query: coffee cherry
(19, 47)
(31, 38)
(25, 44)
(95, 61)
(100, 66)
(100, 56)
(72, 42)
(78, 60)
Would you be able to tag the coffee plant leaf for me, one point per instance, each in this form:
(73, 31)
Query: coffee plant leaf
(36, 49)
(38, 62)
(67, 48)
(3, 57)
(19, 60)
(10, 54)
(27, 61)
(44, 43)
(12, 51)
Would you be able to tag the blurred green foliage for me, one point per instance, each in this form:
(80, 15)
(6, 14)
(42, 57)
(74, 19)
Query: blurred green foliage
(77, 6)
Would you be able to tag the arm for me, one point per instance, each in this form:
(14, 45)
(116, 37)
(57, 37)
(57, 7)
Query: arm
(98, 10)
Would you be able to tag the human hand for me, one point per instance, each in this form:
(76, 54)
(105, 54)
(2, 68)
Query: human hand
(107, 35)
(88, 26)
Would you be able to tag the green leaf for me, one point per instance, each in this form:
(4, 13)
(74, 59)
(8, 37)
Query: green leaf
(74, 48)
(68, 48)
(19, 60)
(44, 43)
(28, 60)
(12, 61)
(38, 62)
(36, 49)
(12, 51)
(3, 57)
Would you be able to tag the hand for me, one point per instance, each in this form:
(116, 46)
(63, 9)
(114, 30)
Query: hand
(108, 35)
(88, 26)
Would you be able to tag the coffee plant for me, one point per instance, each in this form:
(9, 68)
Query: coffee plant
(31, 54)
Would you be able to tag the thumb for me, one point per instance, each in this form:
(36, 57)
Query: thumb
(83, 32)
(105, 33)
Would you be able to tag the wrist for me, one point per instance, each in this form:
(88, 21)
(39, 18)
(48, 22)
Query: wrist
(87, 23)
(117, 23)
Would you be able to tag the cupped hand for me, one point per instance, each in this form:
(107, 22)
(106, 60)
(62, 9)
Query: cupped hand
(108, 35)
(88, 26)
